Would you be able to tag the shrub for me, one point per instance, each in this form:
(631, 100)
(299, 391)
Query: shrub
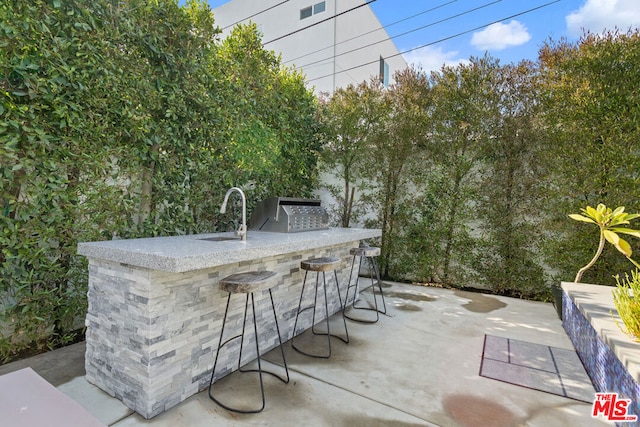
(627, 301)
(128, 119)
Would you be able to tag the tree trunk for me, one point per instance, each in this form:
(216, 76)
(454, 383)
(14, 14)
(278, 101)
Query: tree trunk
(593, 260)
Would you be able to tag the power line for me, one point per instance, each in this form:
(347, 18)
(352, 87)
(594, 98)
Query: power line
(404, 34)
(255, 14)
(372, 31)
(440, 40)
(319, 22)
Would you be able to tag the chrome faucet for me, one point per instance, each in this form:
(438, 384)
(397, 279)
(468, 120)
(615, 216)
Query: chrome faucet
(242, 231)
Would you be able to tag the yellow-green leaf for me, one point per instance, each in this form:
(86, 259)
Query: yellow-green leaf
(618, 242)
(579, 217)
(611, 237)
(624, 247)
(634, 233)
(618, 221)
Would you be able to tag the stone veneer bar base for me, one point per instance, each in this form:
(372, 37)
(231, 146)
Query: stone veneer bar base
(611, 358)
(151, 339)
(152, 332)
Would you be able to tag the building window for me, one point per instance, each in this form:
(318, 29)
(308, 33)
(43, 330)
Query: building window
(384, 72)
(313, 10)
(306, 12)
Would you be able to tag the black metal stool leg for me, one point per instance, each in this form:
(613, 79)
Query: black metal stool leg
(255, 330)
(326, 310)
(315, 304)
(259, 370)
(221, 345)
(377, 271)
(373, 273)
(298, 311)
(342, 307)
(326, 307)
(244, 323)
(215, 362)
(355, 285)
(370, 265)
(313, 319)
(284, 360)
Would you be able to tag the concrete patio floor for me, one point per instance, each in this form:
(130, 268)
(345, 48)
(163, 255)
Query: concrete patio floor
(417, 366)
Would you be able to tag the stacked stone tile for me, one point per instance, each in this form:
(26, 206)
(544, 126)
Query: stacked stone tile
(151, 335)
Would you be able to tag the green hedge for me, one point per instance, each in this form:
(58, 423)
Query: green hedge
(128, 119)
(132, 118)
(471, 171)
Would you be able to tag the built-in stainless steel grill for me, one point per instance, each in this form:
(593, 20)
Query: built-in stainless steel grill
(289, 215)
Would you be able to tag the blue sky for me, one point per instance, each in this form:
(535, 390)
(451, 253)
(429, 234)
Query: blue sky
(455, 30)
(511, 40)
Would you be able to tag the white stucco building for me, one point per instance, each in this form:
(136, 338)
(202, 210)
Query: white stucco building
(332, 44)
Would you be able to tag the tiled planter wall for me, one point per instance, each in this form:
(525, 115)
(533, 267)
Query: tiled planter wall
(607, 372)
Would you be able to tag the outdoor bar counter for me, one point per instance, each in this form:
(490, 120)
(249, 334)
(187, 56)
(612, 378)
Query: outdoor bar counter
(155, 310)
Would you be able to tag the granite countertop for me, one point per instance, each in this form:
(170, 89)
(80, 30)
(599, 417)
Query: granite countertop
(178, 254)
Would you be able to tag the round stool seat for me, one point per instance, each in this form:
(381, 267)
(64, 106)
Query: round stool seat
(251, 281)
(321, 264)
(365, 251)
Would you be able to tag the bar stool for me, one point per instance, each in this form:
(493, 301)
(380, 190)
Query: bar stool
(248, 283)
(370, 253)
(320, 265)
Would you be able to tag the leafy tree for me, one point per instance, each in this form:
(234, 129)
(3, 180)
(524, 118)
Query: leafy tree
(349, 118)
(460, 116)
(50, 61)
(115, 124)
(509, 167)
(396, 158)
(269, 131)
(590, 116)
(299, 131)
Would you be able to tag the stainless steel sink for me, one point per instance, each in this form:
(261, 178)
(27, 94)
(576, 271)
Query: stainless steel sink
(221, 238)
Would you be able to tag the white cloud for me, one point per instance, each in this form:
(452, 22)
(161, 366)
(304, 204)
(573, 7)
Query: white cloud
(598, 15)
(499, 36)
(431, 58)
